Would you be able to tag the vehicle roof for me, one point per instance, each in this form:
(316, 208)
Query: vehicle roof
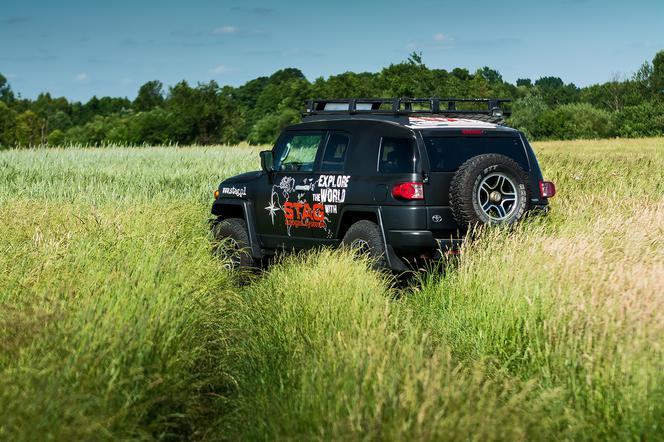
(409, 122)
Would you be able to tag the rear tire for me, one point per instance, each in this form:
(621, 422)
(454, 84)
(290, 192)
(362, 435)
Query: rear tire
(366, 238)
(489, 189)
(232, 243)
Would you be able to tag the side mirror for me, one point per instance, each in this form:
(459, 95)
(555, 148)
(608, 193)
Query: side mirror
(267, 161)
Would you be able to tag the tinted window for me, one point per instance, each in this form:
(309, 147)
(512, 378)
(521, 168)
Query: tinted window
(446, 154)
(297, 152)
(397, 155)
(335, 153)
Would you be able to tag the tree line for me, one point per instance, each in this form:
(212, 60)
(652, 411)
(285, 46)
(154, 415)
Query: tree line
(207, 113)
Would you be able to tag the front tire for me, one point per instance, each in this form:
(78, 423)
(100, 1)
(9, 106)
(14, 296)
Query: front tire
(232, 243)
(366, 238)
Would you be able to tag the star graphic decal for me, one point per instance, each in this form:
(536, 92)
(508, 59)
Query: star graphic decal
(272, 208)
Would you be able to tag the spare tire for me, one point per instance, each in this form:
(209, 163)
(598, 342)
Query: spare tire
(489, 189)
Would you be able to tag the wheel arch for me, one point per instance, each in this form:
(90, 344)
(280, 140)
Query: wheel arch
(351, 215)
(236, 208)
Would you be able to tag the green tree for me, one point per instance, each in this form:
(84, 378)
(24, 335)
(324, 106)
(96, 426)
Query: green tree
(461, 74)
(490, 75)
(555, 92)
(658, 74)
(285, 89)
(643, 78)
(150, 95)
(206, 114)
(267, 129)
(577, 120)
(643, 120)
(409, 79)
(152, 127)
(56, 138)
(7, 126)
(6, 94)
(346, 85)
(415, 59)
(28, 130)
(526, 114)
(60, 120)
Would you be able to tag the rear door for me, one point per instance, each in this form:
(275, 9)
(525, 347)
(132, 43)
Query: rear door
(330, 184)
(448, 150)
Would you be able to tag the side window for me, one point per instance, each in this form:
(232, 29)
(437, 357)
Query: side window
(335, 153)
(397, 155)
(297, 152)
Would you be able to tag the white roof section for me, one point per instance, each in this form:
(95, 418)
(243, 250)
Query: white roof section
(422, 122)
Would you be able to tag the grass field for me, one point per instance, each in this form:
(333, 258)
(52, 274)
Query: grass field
(115, 321)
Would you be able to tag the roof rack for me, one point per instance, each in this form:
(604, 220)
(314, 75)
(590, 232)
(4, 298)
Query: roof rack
(492, 110)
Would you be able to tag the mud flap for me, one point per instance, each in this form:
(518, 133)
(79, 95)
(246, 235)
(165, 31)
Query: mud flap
(393, 261)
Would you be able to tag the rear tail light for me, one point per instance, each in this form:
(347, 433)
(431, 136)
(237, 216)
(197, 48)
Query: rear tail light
(547, 189)
(472, 131)
(408, 191)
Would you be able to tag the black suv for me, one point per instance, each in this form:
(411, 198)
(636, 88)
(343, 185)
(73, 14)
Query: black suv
(401, 179)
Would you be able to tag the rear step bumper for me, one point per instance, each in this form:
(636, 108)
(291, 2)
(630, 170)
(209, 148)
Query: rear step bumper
(411, 239)
(414, 243)
(419, 240)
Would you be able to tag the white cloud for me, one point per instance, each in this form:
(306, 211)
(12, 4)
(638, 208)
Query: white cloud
(83, 76)
(226, 30)
(440, 37)
(221, 69)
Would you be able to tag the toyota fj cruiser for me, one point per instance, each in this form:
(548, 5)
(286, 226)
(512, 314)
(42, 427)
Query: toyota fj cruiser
(401, 179)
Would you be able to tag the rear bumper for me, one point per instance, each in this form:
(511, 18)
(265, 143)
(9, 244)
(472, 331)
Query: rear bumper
(405, 245)
(415, 242)
(415, 239)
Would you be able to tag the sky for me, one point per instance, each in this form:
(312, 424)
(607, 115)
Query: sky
(78, 49)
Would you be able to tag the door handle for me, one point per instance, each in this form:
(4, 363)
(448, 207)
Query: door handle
(302, 187)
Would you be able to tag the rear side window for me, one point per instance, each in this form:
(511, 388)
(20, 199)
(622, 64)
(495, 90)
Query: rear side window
(335, 153)
(447, 154)
(397, 155)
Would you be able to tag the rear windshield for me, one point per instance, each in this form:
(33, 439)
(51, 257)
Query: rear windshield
(446, 154)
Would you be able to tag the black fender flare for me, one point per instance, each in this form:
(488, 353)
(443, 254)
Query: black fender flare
(246, 208)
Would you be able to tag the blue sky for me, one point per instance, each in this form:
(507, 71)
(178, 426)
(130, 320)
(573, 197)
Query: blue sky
(84, 48)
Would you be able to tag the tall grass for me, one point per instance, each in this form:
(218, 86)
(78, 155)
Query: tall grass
(115, 321)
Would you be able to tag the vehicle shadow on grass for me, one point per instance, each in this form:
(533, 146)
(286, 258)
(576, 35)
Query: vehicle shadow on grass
(422, 272)
(399, 284)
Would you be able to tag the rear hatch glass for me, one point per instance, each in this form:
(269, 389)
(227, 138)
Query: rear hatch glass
(448, 153)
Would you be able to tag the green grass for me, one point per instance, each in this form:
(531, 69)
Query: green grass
(115, 321)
